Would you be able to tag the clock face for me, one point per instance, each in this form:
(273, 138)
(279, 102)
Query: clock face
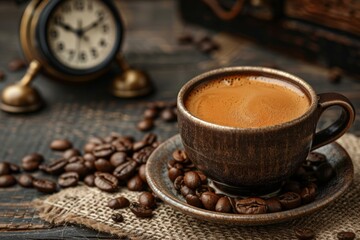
(81, 34)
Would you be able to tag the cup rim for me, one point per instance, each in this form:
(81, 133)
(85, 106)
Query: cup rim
(187, 87)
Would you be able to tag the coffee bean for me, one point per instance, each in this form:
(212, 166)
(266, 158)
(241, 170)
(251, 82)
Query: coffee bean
(4, 168)
(89, 147)
(16, 64)
(174, 164)
(335, 75)
(118, 158)
(77, 165)
(203, 177)
(185, 38)
(316, 158)
(31, 162)
(308, 193)
(71, 153)
(290, 200)
(179, 181)
(25, 180)
(209, 200)
(119, 202)
(44, 186)
(179, 156)
(273, 205)
(68, 179)
(185, 190)
(251, 205)
(106, 182)
(89, 180)
(143, 155)
(292, 186)
(135, 184)
(96, 140)
(149, 138)
(140, 211)
(139, 145)
(60, 145)
(123, 145)
(168, 115)
(173, 173)
(56, 167)
(223, 205)
(2, 75)
(151, 113)
(192, 179)
(7, 181)
(147, 199)
(203, 188)
(125, 170)
(117, 217)
(90, 166)
(145, 124)
(103, 151)
(142, 173)
(304, 233)
(324, 172)
(89, 157)
(194, 200)
(346, 235)
(103, 165)
(110, 139)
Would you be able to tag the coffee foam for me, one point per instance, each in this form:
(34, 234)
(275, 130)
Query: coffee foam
(247, 101)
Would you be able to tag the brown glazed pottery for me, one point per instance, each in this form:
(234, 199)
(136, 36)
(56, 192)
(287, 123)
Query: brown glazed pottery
(256, 161)
(159, 182)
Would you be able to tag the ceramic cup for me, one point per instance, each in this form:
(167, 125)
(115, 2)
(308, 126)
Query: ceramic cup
(257, 161)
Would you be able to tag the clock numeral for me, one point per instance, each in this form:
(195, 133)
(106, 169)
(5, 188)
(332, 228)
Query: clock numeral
(105, 28)
(60, 46)
(71, 55)
(79, 5)
(82, 57)
(53, 33)
(94, 53)
(103, 43)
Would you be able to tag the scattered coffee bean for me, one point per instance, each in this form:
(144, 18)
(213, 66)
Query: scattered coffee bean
(117, 217)
(346, 235)
(179, 181)
(194, 200)
(60, 145)
(251, 205)
(139, 145)
(89, 180)
(290, 200)
(16, 64)
(179, 156)
(192, 179)
(89, 157)
(14, 168)
(96, 140)
(145, 125)
(103, 151)
(4, 168)
(308, 193)
(141, 211)
(44, 186)
(273, 205)
(89, 147)
(223, 205)
(123, 145)
(31, 162)
(117, 203)
(173, 173)
(7, 181)
(151, 113)
(125, 170)
(118, 158)
(25, 180)
(209, 200)
(324, 172)
(103, 165)
(185, 190)
(77, 165)
(168, 115)
(142, 155)
(147, 199)
(135, 183)
(68, 179)
(56, 167)
(142, 174)
(90, 166)
(71, 153)
(304, 233)
(335, 75)
(106, 182)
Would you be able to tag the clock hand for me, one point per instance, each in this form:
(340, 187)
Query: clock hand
(92, 25)
(66, 27)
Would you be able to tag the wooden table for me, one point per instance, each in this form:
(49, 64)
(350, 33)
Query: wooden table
(77, 112)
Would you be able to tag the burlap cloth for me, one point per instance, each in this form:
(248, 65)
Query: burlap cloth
(87, 206)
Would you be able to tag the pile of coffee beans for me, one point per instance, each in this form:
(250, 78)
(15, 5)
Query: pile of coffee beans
(204, 44)
(107, 163)
(166, 111)
(301, 189)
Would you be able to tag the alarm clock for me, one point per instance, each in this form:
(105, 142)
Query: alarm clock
(72, 41)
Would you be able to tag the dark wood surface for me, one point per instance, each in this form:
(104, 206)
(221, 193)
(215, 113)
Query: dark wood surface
(77, 112)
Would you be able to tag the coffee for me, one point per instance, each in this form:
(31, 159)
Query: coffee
(247, 101)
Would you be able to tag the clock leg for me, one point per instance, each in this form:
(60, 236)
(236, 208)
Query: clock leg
(130, 82)
(21, 97)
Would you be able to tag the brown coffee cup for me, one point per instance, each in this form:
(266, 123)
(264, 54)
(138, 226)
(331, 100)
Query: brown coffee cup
(256, 161)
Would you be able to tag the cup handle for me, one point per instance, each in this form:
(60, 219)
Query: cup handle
(340, 126)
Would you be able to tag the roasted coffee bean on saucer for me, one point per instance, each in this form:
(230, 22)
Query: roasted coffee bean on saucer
(251, 205)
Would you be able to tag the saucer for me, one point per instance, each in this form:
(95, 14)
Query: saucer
(159, 182)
